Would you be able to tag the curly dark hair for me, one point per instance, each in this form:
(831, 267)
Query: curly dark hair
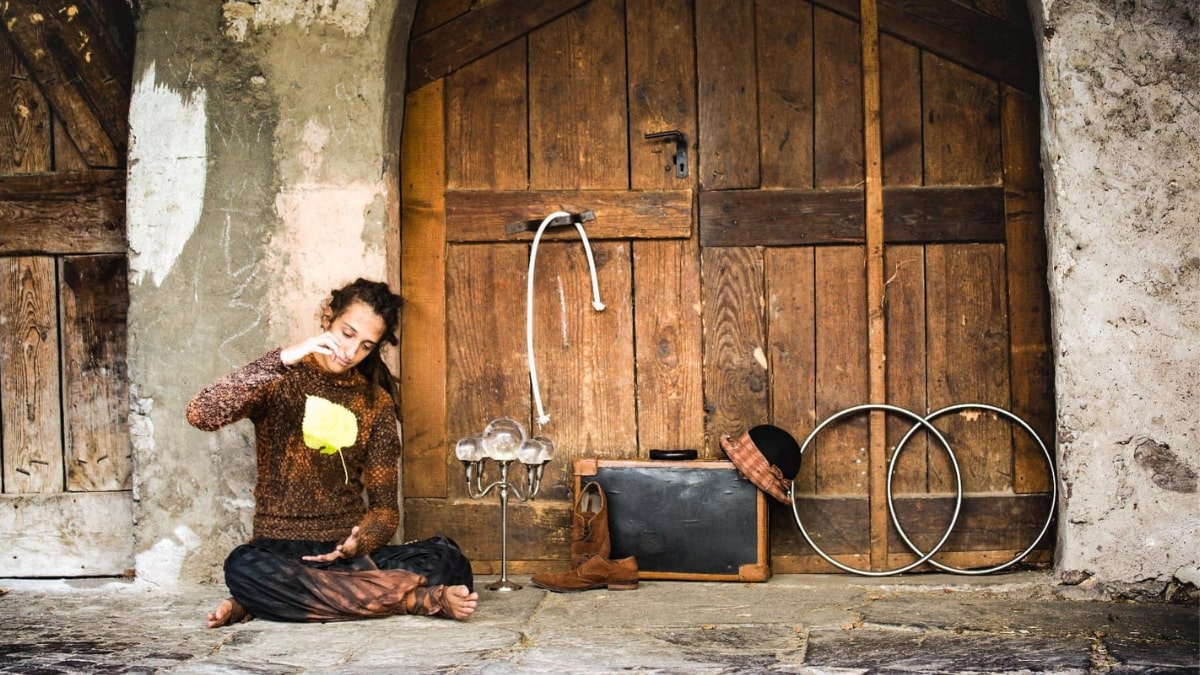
(386, 304)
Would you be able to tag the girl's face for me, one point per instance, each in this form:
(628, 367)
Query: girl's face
(357, 331)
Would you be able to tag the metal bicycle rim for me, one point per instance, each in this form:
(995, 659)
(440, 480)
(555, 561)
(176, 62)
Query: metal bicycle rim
(928, 422)
(920, 422)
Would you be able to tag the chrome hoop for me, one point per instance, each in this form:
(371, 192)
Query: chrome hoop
(928, 420)
(920, 422)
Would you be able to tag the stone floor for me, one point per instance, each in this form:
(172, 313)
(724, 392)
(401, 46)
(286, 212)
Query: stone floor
(1012, 623)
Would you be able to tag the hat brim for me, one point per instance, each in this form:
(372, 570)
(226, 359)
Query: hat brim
(750, 461)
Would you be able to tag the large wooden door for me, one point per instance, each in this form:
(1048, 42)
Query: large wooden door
(66, 502)
(738, 294)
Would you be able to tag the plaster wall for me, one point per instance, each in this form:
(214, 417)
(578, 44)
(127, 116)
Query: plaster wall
(1121, 150)
(261, 168)
(262, 174)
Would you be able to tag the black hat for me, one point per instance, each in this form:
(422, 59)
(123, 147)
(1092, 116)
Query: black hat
(768, 456)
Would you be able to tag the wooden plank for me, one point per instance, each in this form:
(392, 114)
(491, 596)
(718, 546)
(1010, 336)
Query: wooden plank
(838, 121)
(781, 217)
(667, 338)
(900, 108)
(962, 125)
(585, 358)
(454, 44)
(539, 531)
(67, 158)
(86, 85)
(785, 93)
(24, 117)
(1028, 296)
(480, 216)
(94, 296)
(876, 327)
(725, 71)
(986, 522)
(662, 89)
(63, 213)
(1037, 559)
(944, 214)
(29, 396)
(423, 285)
(110, 23)
(991, 529)
(736, 372)
(666, 282)
(486, 119)
(67, 535)
(578, 129)
(953, 30)
(1014, 12)
(968, 363)
(838, 524)
(906, 352)
(432, 13)
(487, 371)
(995, 48)
(835, 216)
(840, 450)
(791, 328)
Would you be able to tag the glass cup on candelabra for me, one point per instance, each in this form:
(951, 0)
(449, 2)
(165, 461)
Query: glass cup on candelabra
(504, 441)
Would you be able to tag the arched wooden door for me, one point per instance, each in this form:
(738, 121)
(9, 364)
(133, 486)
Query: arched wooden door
(737, 293)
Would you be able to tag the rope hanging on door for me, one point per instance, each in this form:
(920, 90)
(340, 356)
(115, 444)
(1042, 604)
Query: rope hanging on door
(542, 417)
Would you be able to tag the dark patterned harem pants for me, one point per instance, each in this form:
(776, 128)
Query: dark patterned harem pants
(268, 577)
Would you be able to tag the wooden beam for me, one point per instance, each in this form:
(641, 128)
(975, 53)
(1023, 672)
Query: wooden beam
(423, 286)
(480, 215)
(835, 216)
(995, 48)
(63, 213)
(454, 44)
(876, 335)
(86, 82)
(991, 529)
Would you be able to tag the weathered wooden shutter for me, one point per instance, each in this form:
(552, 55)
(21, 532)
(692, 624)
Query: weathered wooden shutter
(65, 503)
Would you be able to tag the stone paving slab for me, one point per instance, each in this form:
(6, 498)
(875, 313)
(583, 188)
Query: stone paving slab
(792, 624)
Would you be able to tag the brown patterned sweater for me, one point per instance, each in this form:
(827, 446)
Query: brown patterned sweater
(300, 492)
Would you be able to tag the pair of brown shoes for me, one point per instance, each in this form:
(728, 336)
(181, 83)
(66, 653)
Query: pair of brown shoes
(590, 548)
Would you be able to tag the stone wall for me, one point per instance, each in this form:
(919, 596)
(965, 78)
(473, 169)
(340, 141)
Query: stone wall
(262, 174)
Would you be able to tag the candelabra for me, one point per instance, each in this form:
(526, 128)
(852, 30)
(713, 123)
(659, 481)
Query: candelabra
(504, 441)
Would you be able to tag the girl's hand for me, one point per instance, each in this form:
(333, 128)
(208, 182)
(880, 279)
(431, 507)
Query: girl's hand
(346, 549)
(325, 343)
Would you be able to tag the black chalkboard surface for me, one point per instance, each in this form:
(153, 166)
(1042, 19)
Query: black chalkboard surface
(685, 520)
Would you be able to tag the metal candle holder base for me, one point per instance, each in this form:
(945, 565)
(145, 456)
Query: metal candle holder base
(474, 471)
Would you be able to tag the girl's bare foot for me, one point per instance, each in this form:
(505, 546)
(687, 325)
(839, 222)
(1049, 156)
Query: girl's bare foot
(230, 611)
(460, 602)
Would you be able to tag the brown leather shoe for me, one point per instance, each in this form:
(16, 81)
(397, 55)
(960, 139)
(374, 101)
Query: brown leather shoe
(595, 572)
(589, 525)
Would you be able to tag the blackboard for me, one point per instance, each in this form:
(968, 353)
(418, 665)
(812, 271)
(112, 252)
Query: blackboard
(694, 520)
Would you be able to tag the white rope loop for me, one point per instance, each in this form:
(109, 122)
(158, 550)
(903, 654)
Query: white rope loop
(542, 417)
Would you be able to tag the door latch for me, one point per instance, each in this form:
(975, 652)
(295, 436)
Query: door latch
(681, 149)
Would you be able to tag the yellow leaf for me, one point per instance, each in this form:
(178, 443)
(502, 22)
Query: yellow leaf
(328, 427)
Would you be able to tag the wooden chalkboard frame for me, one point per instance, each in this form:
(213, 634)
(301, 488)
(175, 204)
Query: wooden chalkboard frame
(689, 520)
